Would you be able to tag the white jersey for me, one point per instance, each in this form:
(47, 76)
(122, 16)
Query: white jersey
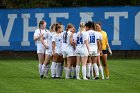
(80, 38)
(38, 42)
(48, 39)
(93, 37)
(58, 41)
(68, 38)
(46, 35)
(81, 49)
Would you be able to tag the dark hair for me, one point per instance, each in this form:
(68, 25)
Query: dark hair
(93, 25)
(88, 24)
(41, 23)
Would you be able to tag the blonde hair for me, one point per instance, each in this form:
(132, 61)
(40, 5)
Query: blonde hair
(82, 25)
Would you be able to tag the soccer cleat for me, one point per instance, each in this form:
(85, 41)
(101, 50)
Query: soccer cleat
(78, 78)
(57, 77)
(107, 78)
(53, 77)
(46, 77)
(67, 77)
(96, 78)
(74, 77)
(85, 79)
(41, 76)
(103, 78)
(88, 77)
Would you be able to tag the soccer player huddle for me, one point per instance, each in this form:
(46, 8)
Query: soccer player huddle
(60, 50)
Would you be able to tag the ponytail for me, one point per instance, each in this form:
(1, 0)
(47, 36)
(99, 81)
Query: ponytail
(69, 25)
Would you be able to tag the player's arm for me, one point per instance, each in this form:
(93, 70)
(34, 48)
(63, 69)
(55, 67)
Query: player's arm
(86, 41)
(101, 53)
(38, 37)
(108, 47)
(42, 41)
(87, 45)
(99, 45)
(53, 45)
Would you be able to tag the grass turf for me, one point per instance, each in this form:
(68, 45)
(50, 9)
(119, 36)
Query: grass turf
(21, 76)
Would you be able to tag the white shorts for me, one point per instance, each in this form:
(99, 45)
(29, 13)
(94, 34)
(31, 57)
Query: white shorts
(48, 52)
(81, 51)
(69, 51)
(93, 53)
(63, 51)
(41, 51)
(64, 54)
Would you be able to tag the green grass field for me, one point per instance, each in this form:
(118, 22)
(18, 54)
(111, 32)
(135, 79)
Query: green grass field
(21, 76)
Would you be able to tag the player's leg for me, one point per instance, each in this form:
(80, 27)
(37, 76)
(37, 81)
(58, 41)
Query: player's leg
(100, 67)
(78, 67)
(53, 66)
(65, 66)
(58, 65)
(88, 67)
(46, 65)
(74, 66)
(65, 63)
(84, 62)
(41, 60)
(69, 62)
(104, 62)
(95, 67)
(62, 67)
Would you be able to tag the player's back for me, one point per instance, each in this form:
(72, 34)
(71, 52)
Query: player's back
(80, 38)
(93, 37)
(104, 40)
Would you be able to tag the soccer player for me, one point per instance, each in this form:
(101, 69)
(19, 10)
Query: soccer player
(74, 56)
(63, 48)
(69, 48)
(99, 52)
(93, 49)
(47, 42)
(105, 46)
(56, 51)
(40, 48)
(82, 51)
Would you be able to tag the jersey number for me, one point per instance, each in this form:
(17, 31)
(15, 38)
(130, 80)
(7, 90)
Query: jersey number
(92, 39)
(79, 40)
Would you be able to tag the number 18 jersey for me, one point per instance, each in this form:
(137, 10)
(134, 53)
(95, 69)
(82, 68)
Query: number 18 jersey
(93, 37)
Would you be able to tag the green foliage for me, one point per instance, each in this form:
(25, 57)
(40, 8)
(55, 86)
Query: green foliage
(64, 3)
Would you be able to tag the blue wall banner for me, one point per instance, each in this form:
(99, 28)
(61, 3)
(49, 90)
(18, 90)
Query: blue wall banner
(122, 25)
